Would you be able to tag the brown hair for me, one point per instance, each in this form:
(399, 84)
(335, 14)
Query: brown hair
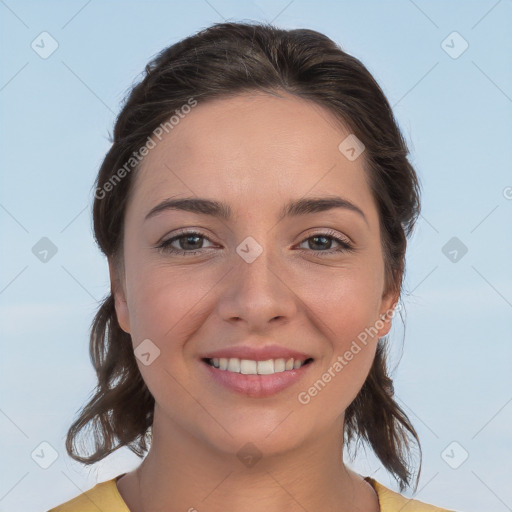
(221, 61)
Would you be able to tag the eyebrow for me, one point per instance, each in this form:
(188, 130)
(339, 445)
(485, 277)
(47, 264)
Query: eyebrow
(223, 211)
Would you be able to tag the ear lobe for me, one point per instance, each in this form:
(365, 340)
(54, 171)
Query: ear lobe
(388, 310)
(117, 291)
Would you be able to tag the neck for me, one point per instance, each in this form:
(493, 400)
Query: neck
(184, 473)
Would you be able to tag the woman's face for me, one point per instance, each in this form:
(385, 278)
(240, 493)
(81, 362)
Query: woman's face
(255, 278)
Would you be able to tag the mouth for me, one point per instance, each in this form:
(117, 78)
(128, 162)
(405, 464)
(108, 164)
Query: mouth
(255, 379)
(253, 367)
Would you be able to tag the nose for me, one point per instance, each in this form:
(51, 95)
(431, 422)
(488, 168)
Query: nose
(257, 293)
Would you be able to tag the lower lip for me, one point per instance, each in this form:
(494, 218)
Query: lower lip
(257, 386)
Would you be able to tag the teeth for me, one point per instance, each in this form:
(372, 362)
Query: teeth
(248, 367)
(234, 365)
(251, 367)
(265, 367)
(279, 365)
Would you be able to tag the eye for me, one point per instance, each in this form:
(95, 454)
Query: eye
(325, 239)
(191, 240)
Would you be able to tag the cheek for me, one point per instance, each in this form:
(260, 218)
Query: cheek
(164, 305)
(347, 301)
(342, 373)
(347, 313)
(162, 302)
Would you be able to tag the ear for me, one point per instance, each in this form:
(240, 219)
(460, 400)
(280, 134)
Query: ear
(387, 312)
(119, 294)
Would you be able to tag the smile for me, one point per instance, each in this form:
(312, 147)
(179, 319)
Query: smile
(252, 367)
(256, 379)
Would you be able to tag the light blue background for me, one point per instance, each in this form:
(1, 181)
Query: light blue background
(454, 377)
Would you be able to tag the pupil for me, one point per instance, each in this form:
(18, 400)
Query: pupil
(191, 237)
(321, 238)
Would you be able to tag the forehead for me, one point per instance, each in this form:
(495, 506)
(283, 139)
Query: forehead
(254, 146)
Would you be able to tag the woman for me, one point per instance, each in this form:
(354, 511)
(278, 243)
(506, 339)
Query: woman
(254, 209)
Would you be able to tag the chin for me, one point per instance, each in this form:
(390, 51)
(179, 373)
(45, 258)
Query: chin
(251, 445)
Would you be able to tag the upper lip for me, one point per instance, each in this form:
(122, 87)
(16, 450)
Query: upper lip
(257, 353)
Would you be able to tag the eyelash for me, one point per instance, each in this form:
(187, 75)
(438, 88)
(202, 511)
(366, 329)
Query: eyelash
(165, 246)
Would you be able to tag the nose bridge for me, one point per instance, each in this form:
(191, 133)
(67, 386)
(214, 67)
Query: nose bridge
(256, 268)
(256, 291)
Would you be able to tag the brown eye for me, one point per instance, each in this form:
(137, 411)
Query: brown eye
(322, 242)
(190, 242)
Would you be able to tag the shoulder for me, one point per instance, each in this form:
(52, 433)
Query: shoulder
(391, 501)
(103, 496)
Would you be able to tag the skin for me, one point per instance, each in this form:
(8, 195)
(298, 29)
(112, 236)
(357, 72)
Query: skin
(255, 152)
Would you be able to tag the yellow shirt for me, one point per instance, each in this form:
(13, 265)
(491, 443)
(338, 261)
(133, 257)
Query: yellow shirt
(106, 497)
